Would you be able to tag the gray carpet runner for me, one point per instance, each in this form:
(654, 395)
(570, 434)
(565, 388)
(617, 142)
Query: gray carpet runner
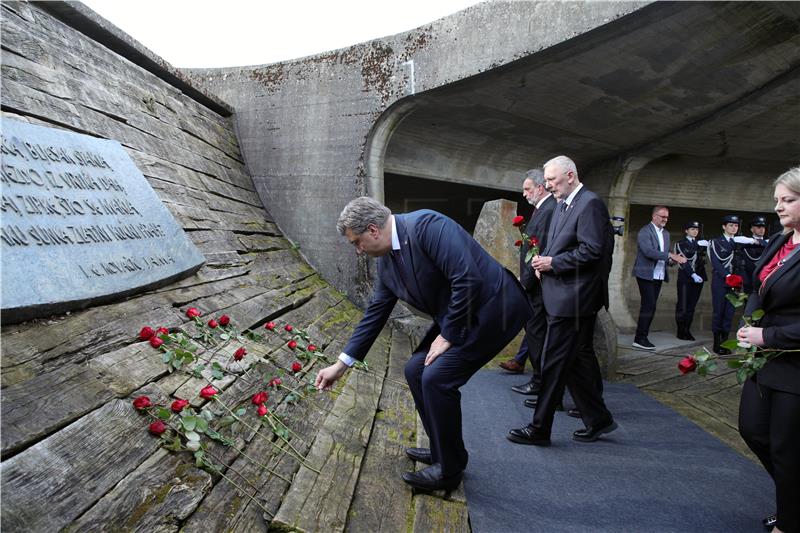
(658, 472)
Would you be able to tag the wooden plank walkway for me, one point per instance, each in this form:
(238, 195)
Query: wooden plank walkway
(711, 402)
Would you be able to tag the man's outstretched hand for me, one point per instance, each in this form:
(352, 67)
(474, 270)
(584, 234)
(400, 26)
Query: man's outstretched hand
(330, 375)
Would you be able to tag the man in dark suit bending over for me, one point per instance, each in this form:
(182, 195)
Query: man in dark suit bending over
(477, 306)
(574, 270)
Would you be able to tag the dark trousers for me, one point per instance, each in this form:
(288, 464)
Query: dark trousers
(688, 296)
(522, 354)
(435, 387)
(649, 290)
(569, 360)
(769, 422)
(722, 308)
(535, 332)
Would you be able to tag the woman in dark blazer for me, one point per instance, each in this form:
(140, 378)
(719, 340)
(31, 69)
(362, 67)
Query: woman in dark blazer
(769, 412)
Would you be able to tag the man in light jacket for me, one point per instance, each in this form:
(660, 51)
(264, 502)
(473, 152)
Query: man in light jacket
(650, 270)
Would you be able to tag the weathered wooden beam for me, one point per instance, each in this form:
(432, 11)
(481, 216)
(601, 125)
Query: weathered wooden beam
(394, 430)
(319, 502)
(53, 482)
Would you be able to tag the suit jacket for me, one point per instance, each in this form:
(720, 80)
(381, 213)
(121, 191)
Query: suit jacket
(580, 243)
(781, 322)
(449, 276)
(537, 227)
(695, 260)
(648, 253)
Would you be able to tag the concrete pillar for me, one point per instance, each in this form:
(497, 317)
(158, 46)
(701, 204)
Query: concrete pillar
(619, 205)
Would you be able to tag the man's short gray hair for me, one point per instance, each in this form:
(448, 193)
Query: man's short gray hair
(563, 162)
(535, 175)
(360, 213)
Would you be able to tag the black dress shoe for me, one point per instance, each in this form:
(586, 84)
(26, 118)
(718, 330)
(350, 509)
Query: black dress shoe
(431, 478)
(533, 402)
(420, 455)
(528, 435)
(526, 389)
(591, 434)
(574, 413)
(770, 521)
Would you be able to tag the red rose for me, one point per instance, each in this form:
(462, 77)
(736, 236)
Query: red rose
(262, 410)
(155, 342)
(274, 382)
(208, 392)
(518, 243)
(213, 323)
(269, 325)
(311, 348)
(240, 353)
(192, 312)
(162, 331)
(158, 427)
(533, 242)
(259, 398)
(178, 405)
(292, 344)
(296, 367)
(287, 327)
(687, 364)
(142, 402)
(224, 320)
(146, 332)
(734, 281)
(518, 220)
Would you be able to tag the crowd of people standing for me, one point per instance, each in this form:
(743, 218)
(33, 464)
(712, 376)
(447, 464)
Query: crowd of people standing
(427, 260)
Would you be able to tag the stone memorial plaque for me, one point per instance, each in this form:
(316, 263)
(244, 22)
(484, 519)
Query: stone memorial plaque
(80, 225)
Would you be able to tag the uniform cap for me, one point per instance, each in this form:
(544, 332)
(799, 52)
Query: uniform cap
(758, 221)
(692, 224)
(727, 219)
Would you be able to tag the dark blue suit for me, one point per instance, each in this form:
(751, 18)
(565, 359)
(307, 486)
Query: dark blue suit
(721, 256)
(475, 304)
(580, 242)
(688, 290)
(536, 328)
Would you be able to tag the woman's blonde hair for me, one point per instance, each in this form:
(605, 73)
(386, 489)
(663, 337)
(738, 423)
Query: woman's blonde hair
(791, 180)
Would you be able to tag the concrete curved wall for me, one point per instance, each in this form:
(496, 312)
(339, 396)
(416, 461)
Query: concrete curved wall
(480, 96)
(304, 125)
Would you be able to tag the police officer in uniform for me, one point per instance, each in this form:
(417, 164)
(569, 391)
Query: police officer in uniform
(691, 276)
(751, 248)
(721, 254)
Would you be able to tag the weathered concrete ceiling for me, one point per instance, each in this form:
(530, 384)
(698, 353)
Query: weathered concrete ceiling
(689, 79)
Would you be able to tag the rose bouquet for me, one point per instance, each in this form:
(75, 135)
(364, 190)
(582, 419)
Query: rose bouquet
(533, 242)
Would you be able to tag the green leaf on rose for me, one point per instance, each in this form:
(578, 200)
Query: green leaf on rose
(224, 336)
(734, 363)
(163, 413)
(191, 435)
(743, 373)
(199, 458)
(167, 357)
(241, 411)
(226, 421)
(197, 371)
(758, 314)
(174, 445)
(189, 423)
(730, 344)
(201, 425)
